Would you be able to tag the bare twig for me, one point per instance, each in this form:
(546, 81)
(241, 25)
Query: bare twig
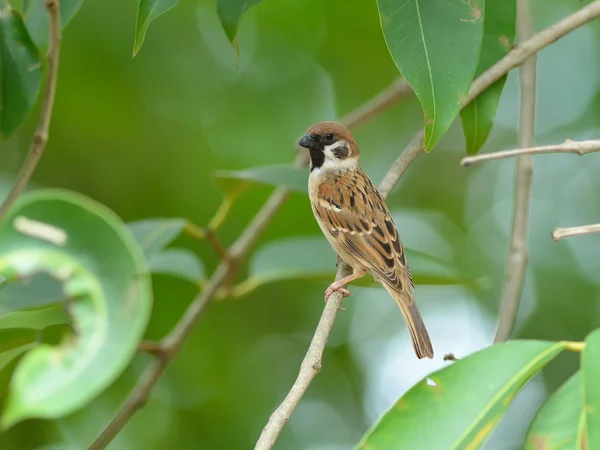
(170, 345)
(561, 233)
(513, 59)
(576, 147)
(516, 260)
(40, 136)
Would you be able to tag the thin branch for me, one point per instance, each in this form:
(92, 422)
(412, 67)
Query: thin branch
(171, 345)
(40, 136)
(561, 233)
(576, 147)
(513, 59)
(516, 260)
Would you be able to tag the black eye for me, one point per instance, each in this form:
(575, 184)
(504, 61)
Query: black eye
(329, 136)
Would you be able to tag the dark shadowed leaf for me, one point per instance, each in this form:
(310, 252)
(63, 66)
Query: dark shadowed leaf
(20, 73)
(231, 13)
(556, 425)
(30, 293)
(435, 44)
(498, 36)
(465, 400)
(35, 319)
(103, 274)
(293, 177)
(36, 19)
(148, 10)
(590, 373)
(14, 342)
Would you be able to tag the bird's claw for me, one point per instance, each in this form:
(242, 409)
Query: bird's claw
(334, 288)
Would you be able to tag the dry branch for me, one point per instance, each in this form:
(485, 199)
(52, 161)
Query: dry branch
(561, 233)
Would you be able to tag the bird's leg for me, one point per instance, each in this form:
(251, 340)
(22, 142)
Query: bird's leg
(337, 285)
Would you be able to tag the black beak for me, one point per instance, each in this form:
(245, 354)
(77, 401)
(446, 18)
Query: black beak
(309, 141)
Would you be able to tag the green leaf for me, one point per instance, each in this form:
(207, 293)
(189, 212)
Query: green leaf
(15, 342)
(435, 45)
(231, 13)
(148, 10)
(20, 73)
(557, 422)
(315, 259)
(292, 177)
(179, 263)
(38, 24)
(465, 400)
(102, 270)
(153, 236)
(35, 319)
(590, 374)
(29, 293)
(498, 36)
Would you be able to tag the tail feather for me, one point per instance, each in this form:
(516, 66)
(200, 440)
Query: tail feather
(414, 323)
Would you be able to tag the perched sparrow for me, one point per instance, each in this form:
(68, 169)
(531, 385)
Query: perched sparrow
(357, 222)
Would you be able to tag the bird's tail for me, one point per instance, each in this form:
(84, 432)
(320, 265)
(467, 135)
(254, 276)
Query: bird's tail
(414, 323)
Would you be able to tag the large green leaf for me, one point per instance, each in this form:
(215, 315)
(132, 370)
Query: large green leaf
(293, 177)
(154, 235)
(20, 73)
(590, 375)
(556, 425)
(36, 19)
(30, 293)
(464, 401)
(435, 44)
(148, 10)
(231, 13)
(313, 258)
(35, 319)
(498, 36)
(103, 273)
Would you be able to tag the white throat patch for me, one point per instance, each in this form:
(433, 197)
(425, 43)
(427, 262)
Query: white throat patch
(335, 164)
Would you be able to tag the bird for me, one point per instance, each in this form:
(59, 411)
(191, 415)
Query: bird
(356, 221)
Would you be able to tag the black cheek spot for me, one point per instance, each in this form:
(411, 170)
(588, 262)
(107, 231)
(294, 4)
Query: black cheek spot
(341, 152)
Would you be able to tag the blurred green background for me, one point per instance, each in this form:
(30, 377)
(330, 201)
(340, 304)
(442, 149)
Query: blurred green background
(144, 135)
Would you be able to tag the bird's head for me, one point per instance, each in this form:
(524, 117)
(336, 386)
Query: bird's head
(331, 147)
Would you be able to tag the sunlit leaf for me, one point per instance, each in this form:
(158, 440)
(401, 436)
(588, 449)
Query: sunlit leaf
(148, 10)
(435, 44)
(231, 13)
(465, 400)
(154, 235)
(36, 19)
(313, 258)
(103, 273)
(14, 342)
(20, 73)
(498, 36)
(556, 425)
(590, 373)
(293, 177)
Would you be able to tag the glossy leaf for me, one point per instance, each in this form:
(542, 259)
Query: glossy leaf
(103, 273)
(154, 235)
(36, 19)
(498, 36)
(556, 425)
(590, 373)
(465, 400)
(148, 10)
(293, 177)
(435, 45)
(315, 259)
(231, 13)
(20, 73)
(14, 342)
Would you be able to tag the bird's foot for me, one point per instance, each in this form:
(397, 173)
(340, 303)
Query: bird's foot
(335, 287)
